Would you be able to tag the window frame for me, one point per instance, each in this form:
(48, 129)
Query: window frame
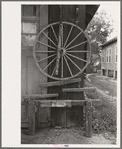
(107, 56)
(30, 19)
(110, 55)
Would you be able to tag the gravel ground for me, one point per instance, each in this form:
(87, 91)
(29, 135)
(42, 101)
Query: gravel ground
(63, 136)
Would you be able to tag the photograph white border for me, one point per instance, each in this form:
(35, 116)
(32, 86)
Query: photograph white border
(11, 74)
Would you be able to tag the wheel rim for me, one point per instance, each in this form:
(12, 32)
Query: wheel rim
(66, 52)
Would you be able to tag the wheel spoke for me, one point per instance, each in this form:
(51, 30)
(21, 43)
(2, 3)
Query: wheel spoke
(73, 39)
(49, 38)
(53, 71)
(62, 67)
(77, 57)
(46, 44)
(49, 64)
(45, 51)
(73, 62)
(54, 33)
(68, 36)
(78, 51)
(45, 58)
(76, 45)
(68, 66)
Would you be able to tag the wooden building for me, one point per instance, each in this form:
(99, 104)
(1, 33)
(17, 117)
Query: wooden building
(109, 58)
(35, 18)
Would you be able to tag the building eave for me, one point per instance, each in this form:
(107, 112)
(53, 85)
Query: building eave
(109, 42)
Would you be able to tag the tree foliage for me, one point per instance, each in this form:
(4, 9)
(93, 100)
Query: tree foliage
(98, 30)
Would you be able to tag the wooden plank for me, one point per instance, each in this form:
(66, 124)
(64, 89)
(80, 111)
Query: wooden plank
(70, 15)
(31, 117)
(88, 123)
(61, 103)
(24, 124)
(58, 83)
(46, 101)
(62, 100)
(33, 96)
(30, 19)
(78, 89)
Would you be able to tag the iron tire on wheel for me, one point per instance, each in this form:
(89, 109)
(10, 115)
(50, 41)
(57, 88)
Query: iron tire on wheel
(65, 52)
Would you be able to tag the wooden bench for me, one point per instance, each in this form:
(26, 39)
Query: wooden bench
(59, 103)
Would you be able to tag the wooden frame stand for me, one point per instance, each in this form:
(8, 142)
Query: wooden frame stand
(60, 103)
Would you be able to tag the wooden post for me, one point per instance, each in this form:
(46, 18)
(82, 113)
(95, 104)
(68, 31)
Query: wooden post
(88, 122)
(37, 115)
(31, 117)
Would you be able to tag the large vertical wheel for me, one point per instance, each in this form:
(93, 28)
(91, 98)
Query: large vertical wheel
(62, 51)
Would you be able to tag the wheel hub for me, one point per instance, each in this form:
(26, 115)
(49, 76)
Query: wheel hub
(62, 51)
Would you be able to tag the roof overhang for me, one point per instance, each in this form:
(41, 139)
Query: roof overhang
(109, 42)
(90, 12)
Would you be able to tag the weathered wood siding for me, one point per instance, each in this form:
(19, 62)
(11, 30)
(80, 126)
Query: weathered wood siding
(31, 77)
(68, 116)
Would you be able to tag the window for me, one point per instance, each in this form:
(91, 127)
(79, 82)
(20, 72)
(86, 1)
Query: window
(103, 55)
(29, 24)
(109, 55)
(116, 51)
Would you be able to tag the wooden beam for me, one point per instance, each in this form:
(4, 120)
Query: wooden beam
(62, 103)
(46, 101)
(24, 124)
(42, 96)
(31, 118)
(62, 100)
(30, 19)
(58, 83)
(88, 122)
(78, 89)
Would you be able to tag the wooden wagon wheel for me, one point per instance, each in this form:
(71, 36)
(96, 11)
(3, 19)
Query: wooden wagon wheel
(61, 52)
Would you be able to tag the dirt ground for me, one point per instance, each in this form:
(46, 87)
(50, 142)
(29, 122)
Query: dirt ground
(107, 90)
(106, 84)
(65, 136)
